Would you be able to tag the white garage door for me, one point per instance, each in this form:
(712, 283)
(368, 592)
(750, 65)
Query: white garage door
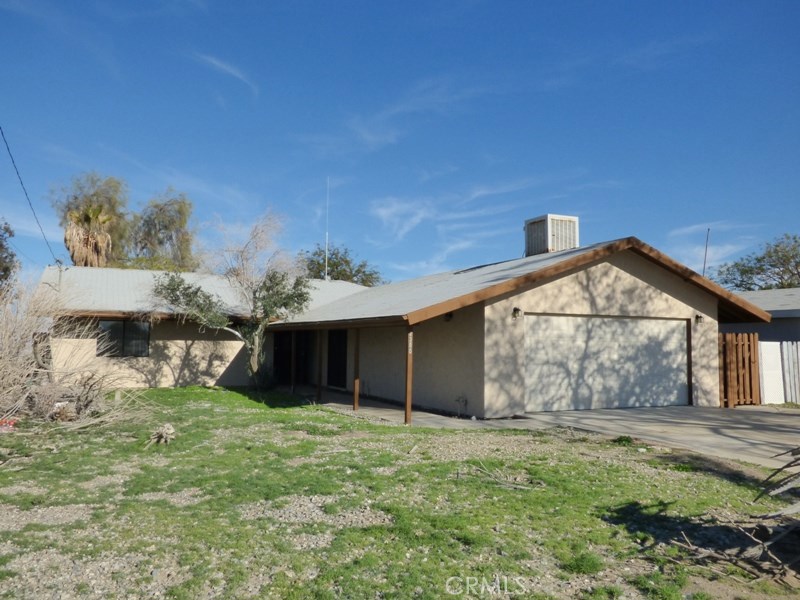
(604, 362)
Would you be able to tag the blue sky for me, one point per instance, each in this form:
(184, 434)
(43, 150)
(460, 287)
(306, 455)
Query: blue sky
(441, 126)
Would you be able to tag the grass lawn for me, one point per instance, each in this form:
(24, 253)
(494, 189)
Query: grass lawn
(276, 499)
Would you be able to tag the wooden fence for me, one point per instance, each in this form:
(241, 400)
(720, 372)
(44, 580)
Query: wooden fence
(739, 379)
(790, 363)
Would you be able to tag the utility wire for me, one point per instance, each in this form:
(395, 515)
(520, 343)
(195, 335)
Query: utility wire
(13, 162)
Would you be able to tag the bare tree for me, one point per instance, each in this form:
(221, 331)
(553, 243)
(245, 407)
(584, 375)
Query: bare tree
(32, 383)
(270, 285)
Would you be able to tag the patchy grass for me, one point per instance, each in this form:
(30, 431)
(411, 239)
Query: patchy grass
(266, 497)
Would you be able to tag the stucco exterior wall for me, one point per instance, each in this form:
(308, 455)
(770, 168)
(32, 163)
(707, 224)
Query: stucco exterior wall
(448, 363)
(180, 355)
(624, 285)
(382, 362)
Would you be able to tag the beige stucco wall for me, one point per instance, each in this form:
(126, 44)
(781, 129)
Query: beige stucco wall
(180, 355)
(448, 363)
(625, 285)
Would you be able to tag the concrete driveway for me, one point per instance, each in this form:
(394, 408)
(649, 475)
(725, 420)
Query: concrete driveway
(749, 434)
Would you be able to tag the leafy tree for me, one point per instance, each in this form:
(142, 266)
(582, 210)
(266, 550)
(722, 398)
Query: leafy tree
(342, 266)
(99, 231)
(92, 211)
(778, 266)
(8, 259)
(269, 286)
(160, 235)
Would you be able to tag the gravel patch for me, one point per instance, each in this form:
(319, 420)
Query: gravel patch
(310, 541)
(102, 481)
(23, 488)
(310, 509)
(14, 519)
(50, 574)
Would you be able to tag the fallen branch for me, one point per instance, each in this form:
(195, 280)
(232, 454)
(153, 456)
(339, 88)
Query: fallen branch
(163, 435)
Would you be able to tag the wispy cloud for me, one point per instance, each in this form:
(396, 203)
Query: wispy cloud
(688, 243)
(432, 96)
(714, 226)
(658, 53)
(693, 255)
(435, 263)
(399, 216)
(481, 191)
(201, 189)
(426, 175)
(78, 32)
(226, 68)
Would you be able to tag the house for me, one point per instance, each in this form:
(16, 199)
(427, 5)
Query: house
(782, 305)
(140, 343)
(610, 325)
(779, 343)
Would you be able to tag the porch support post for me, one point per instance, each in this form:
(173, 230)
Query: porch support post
(293, 361)
(356, 373)
(319, 366)
(689, 367)
(409, 373)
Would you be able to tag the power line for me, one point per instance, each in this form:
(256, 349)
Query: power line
(13, 162)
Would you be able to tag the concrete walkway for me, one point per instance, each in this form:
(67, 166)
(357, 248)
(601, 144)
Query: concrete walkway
(749, 434)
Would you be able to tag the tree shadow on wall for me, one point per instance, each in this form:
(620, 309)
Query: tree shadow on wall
(180, 363)
(594, 359)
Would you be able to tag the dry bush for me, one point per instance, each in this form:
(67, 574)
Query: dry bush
(30, 385)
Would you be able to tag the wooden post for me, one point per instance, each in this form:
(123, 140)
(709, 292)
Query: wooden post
(721, 360)
(293, 361)
(730, 367)
(409, 373)
(356, 373)
(755, 375)
(319, 366)
(689, 372)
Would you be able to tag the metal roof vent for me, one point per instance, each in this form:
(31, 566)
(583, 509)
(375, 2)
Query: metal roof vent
(550, 233)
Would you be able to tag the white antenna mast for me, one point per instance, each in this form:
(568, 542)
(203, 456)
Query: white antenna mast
(327, 213)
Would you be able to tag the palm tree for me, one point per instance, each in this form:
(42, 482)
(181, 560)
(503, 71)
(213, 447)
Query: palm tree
(86, 236)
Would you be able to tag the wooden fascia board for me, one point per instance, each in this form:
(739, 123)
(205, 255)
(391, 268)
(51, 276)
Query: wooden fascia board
(740, 306)
(390, 321)
(516, 283)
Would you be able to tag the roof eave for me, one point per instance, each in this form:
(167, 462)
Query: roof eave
(732, 308)
(387, 321)
(516, 283)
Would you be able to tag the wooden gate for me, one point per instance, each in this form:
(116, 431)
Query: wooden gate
(739, 380)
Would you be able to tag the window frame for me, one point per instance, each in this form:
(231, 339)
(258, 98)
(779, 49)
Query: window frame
(131, 338)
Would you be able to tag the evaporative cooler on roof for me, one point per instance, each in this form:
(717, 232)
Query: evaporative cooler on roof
(550, 233)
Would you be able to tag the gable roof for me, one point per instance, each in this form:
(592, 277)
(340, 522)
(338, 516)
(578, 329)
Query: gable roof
(102, 292)
(416, 300)
(781, 304)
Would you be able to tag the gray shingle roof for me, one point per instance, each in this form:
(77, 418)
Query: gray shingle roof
(88, 290)
(782, 304)
(396, 300)
(95, 291)
(419, 299)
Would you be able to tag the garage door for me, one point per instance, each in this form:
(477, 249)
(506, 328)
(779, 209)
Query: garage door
(604, 362)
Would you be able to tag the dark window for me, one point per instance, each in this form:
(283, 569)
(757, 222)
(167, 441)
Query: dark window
(123, 338)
